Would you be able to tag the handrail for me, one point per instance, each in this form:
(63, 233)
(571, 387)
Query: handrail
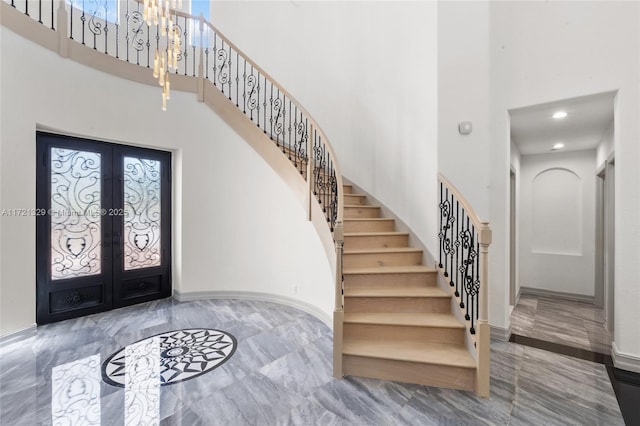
(464, 242)
(313, 122)
(467, 206)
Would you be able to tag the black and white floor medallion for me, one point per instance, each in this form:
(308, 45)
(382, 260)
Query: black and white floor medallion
(169, 357)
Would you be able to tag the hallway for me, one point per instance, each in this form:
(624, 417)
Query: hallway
(566, 322)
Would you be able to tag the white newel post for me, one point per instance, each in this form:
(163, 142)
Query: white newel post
(338, 314)
(484, 331)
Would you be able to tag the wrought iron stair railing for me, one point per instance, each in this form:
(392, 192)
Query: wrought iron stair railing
(117, 28)
(463, 250)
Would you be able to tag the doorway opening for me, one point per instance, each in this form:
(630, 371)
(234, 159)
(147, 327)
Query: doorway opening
(605, 240)
(564, 271)
(103, 228)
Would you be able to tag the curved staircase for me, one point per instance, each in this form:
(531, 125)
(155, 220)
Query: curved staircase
(398, 324)
(393, 316)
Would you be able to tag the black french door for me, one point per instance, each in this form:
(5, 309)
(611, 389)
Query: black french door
(103, 226)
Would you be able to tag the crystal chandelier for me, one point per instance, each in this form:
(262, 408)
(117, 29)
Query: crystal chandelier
(161, 13)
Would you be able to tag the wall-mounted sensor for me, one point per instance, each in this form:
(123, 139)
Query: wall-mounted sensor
(464, 127)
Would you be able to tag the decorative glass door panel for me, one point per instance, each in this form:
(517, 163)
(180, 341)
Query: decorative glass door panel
(105, 239)
(76, 195)
(142, 216)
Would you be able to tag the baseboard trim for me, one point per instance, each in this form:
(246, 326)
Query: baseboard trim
(558, 295)
(18, 335)
(500, 334)
(624, 361)
(254, 295)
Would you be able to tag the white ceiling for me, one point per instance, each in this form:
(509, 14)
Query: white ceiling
(535, 131)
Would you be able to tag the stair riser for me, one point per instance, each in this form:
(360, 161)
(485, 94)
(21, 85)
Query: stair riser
(377, 241)
(440, 305)
(400, 333)
(357, 212)
(346, 189)
(413, 280)
(409, 372)
(355, 199)
(369, 226)
(363, 260)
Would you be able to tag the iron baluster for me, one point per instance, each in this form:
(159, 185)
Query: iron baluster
(52, 24)
(83, 19)
(445, 229)
(452, 238)
(305, 141)
(206, 57)
(229, 70)
(244, 89)
(223, 70)
(70, 20)
(440, 234)
(258, 98)
(289, 130)
(39, 10)
(264, 107)
(127, 37)
(454, 269)
(106, 26)
(148, 47)
(117, 40)
(271, 113)
(215, 39)
(186, 51)
(237, 79)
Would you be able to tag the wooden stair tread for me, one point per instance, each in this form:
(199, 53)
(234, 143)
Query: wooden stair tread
(375, 234)
(409, 269)
(396, 292)
(361, 206)
(366, 218)
(414, 319)
(430, 353)
(383, 250)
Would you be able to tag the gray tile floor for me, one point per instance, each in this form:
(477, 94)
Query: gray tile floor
(280, 374)
(562, 321)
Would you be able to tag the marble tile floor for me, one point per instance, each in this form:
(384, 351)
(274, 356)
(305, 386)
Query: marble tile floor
(561, 321)
(280, 374)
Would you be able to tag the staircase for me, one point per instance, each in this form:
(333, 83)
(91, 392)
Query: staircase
(398, 325)
(391, 319)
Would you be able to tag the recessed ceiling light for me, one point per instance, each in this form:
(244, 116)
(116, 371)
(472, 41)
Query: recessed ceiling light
(559, 114)
(559, 145)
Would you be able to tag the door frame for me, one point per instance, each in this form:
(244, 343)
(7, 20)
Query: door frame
(513, 232)
(112, 292)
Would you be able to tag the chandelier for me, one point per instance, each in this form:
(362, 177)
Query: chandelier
(160, 13)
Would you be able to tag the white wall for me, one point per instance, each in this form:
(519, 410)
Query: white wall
(463, 45)
(545, 51)
(557, 243)
(367, 72)
(237, 226)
